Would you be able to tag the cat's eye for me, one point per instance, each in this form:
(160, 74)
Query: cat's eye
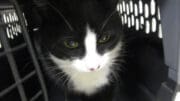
(71, 44)
(105, 38)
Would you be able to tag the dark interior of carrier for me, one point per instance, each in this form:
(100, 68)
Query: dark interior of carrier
(21, 78)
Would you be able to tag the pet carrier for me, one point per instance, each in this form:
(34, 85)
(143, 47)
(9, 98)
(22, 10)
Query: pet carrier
(156, 20)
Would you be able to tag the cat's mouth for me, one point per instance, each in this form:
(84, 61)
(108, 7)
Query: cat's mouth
(94, 69)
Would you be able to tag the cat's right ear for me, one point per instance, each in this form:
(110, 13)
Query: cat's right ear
(41, 7)
(35, 11)
(40, 3)
(109, 4)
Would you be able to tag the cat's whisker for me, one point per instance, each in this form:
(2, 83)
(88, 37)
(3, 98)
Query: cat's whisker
(57, 82)
(60, 80)
(52, 69)
(121, 67)
(115, 75)
(44, 58)
(118, 60)
(66, 81)
(60, 75)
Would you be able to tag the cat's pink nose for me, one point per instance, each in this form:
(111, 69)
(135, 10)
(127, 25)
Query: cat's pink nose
(93, 69)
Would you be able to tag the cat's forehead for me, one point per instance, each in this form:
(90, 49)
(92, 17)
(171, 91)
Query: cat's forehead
(81, 32)
(83, 12)
(79, 14)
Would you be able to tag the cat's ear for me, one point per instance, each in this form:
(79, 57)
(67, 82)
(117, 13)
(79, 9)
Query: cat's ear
(40, 3)
(42, 7)
(32, 9)
(109, 4)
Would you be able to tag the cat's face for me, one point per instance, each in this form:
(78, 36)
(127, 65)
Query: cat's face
(89, 47)
(89, 53)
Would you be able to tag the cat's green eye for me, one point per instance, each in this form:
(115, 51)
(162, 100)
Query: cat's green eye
(71, 44)
(104, 38)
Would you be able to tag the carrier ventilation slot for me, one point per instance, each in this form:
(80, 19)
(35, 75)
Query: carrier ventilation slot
(141, 15)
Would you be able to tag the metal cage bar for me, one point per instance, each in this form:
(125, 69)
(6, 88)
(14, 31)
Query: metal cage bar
(9, 50)
(7, 90)
(30, 47)
(13, 66)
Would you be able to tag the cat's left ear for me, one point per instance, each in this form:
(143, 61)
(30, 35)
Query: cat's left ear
(109, 4)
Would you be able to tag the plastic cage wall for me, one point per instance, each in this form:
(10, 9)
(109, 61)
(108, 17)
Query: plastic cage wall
(21, 78)
(157, 18)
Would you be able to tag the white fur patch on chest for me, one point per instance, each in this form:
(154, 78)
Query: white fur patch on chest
(90, 82)
(85, 82)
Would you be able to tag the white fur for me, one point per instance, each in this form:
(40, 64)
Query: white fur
(83, 79)
(91, 60)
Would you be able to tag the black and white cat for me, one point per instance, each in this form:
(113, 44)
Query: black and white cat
(84, 40)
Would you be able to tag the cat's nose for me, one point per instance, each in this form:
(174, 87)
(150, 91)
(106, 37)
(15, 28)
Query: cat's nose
(94, 69)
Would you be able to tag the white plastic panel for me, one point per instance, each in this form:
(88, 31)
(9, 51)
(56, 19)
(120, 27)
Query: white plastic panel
(171, 36)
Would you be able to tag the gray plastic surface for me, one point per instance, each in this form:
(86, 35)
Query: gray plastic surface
(171, 36)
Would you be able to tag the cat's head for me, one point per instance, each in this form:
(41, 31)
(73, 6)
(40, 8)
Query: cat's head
(94, 40)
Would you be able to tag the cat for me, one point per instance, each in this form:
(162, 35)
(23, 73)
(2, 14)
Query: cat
(83, 41)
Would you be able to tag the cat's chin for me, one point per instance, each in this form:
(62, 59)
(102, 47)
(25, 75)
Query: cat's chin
(90, 83)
